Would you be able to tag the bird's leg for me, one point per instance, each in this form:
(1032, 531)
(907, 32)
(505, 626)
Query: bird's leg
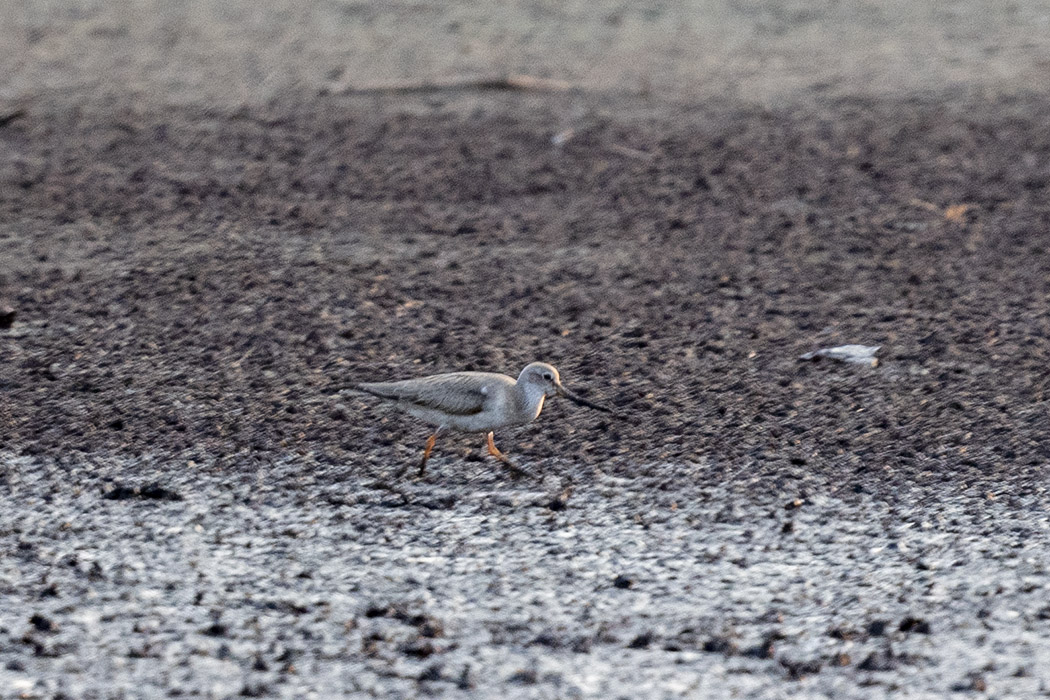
(426, 455)
(426, 451)
(504, 458)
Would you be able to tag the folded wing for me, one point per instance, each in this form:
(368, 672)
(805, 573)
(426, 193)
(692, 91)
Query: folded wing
(451, 394)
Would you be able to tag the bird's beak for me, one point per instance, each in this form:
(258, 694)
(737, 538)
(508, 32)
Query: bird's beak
(562, 391)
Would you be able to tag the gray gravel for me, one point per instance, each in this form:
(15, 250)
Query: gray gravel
(470, 585)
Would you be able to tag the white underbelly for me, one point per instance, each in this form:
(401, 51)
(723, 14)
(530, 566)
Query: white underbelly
(477, 423)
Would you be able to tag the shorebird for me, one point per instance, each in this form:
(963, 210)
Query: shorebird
(475, 402)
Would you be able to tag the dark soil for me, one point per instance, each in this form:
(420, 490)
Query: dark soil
(204, 282)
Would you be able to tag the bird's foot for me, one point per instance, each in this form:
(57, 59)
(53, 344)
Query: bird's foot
(514, 469)
(494, 451)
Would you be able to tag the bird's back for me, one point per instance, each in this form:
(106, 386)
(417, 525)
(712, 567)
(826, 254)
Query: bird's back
(455, 394)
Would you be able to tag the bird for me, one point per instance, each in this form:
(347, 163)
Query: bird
(475, 402)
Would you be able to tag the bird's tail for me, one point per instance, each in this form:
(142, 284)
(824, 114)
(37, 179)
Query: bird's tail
(378, 389)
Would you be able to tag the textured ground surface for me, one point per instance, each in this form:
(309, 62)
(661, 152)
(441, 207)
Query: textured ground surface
(202, 238)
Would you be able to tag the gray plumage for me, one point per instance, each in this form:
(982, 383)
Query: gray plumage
(475, 401)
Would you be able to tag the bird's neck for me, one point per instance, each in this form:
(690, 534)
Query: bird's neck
(530, 401)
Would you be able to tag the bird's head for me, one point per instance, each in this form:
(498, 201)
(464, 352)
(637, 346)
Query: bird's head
(539, 376)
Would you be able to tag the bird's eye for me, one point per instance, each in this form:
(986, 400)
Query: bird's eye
(548, 376)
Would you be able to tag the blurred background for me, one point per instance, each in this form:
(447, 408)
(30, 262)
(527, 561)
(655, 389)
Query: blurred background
(757, 50)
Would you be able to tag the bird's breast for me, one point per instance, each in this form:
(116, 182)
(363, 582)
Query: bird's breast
(539, 408)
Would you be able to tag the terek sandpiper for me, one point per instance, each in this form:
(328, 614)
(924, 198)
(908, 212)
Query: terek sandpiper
(475, 402)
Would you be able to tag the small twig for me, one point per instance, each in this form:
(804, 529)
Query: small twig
(384, 485)
(922, 204)
(562, 137)
(513, 81)
(732, 477)
(630, 152)
(6, 119)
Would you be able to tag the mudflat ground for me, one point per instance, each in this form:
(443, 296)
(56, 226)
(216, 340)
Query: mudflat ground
(207, 230)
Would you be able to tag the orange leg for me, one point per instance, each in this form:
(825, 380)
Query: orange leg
(504, 458)
(426, 452)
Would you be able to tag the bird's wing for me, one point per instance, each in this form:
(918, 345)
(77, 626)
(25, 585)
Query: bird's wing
(457, 394)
